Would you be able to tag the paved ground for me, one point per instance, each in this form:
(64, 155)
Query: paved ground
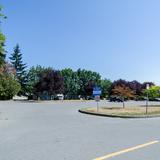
(56, 131)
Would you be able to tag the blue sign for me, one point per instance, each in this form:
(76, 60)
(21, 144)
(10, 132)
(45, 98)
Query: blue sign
(97, 91)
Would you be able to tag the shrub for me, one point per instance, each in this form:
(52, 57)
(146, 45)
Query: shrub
(8, 87)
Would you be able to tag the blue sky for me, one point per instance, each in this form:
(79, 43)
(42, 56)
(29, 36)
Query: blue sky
(118, 39)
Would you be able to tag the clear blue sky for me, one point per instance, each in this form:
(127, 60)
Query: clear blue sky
(117, 38)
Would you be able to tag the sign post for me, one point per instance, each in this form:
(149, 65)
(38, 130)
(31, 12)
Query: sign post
(147, 87)
(96, 93)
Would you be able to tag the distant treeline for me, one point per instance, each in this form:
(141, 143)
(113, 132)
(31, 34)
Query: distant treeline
(46, 83)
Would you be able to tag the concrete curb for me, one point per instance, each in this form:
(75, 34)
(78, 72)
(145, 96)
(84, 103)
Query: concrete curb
(50, 101)
(116, 116)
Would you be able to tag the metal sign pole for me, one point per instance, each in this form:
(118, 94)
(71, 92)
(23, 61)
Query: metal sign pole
(97, 107)
(147, 87)
(147, 104)
(96, 93)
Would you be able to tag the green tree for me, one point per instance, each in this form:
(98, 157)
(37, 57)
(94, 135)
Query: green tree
(2, 51)
(33, 78)
(20, 67)
(8, 87)
(153, 92)
(2, 41)
(105, 86)
(71, 84)
(80, 82)
(87, 78)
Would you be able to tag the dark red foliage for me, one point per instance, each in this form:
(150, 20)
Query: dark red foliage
(136, 87)
(51, 82)
(89, 88)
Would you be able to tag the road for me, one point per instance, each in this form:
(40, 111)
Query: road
(57, 131)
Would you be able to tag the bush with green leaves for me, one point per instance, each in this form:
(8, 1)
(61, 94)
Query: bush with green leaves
(8, 87)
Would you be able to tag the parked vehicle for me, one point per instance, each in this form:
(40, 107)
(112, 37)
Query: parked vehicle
(115, 99)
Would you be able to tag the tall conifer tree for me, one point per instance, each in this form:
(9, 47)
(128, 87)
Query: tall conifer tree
(20, 67)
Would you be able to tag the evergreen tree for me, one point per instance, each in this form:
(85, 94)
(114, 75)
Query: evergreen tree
(20, 67)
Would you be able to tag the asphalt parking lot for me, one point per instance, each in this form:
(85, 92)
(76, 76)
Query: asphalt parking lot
(57, 131)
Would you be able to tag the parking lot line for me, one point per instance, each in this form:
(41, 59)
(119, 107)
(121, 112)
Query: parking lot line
(126, 150)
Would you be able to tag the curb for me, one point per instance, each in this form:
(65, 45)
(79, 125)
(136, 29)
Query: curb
(116, 116)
